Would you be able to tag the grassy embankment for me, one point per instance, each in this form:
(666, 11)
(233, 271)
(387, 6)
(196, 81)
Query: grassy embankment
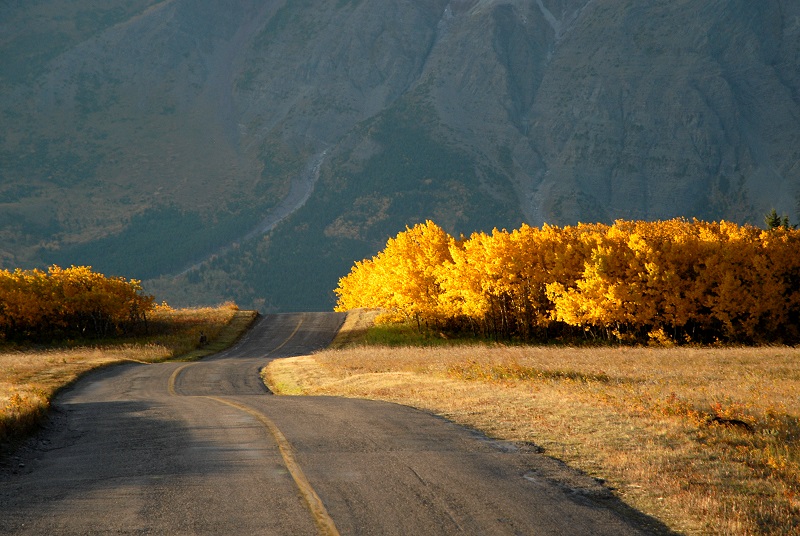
(705, 439)
(31, 376)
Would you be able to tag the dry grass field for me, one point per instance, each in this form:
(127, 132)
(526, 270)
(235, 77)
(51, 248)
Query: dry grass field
(705, 439)
(29, 377)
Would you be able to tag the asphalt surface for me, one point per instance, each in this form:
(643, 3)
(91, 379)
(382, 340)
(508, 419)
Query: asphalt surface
(204, 448)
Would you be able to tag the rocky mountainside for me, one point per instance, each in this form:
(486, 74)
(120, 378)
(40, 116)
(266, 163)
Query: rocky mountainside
(253, 150)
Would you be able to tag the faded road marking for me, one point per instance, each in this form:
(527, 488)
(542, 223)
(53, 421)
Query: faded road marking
(325, 524)
(289, 338)
(174, 378)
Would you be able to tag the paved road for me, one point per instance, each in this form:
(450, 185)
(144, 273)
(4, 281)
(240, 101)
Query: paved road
(203, 448)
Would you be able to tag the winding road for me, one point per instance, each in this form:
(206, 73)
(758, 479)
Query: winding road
(204, 448)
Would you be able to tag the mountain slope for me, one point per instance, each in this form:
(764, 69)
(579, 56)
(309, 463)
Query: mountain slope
(147, 137)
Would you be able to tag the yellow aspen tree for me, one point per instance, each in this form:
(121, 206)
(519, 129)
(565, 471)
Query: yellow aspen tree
(622, 288)
(500, 272)
(725, 279)
(462, 281)
(5, 289)
(780, 268)
(402, 278)
(683, 280)
(356, 289)
(532, 275)
(365, 287)
(589, 301)
(412, 263)
(75, 300)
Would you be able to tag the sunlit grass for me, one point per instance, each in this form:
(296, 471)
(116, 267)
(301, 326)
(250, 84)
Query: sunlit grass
(705, 439)
(29, 377)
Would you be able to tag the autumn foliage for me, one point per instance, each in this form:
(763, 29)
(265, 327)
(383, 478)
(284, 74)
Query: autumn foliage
(67, 302)
(668, 281)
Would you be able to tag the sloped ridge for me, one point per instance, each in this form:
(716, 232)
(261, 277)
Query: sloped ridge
(538, 110)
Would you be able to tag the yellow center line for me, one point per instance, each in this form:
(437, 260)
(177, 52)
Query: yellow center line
(296, 329)
(174, 378)
(324, 522)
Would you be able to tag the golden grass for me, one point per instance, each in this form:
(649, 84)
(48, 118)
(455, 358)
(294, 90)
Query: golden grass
(640, 418)
(29, 378)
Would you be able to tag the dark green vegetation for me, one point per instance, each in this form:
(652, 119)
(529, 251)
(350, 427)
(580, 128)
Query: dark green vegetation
(408, 334)
(147, 248)
(373, 196)
(773, 221)
(143, 137)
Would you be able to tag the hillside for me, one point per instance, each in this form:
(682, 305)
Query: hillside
(289, 139)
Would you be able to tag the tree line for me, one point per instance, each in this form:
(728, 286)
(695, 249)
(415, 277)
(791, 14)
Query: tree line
(69, 302)
(668, 281)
